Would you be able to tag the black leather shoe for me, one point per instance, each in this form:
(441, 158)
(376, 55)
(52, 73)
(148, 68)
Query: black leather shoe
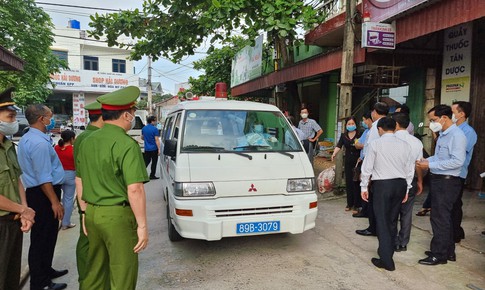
(365, 232)
(359, 215)
(400, 248)
(56, 274)
(378, 263)
(154, 177)
(431, 261)
(55, 286)
(451, 258)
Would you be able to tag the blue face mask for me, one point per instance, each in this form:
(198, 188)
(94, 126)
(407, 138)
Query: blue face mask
(258, 129)
(351, 128)
(51, 125)
(364, 125)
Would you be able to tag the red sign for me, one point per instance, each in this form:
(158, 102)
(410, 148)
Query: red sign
(382, 10)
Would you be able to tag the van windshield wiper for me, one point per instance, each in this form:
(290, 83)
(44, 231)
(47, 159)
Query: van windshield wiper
(203, 148)
(286, 154)
(244, 155)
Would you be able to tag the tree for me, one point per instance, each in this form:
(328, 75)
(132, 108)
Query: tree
(27, 30)
(176, 28)
(217, 68)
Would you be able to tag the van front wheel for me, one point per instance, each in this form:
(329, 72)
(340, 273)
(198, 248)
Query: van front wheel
(173, 235)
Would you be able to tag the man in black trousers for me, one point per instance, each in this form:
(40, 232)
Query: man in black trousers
(388, 162)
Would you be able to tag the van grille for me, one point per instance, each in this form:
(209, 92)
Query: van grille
(254, 211)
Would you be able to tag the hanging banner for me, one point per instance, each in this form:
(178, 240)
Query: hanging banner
(247, 64)
(78, 111)
(457, 59)
(378, 35)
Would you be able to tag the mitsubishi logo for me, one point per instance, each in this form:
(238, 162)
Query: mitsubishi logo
(252, 188)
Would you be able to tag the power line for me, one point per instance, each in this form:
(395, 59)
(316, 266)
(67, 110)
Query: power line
(76, 6)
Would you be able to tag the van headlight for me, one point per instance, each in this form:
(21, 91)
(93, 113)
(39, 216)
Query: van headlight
(300, 184)
(192, 189)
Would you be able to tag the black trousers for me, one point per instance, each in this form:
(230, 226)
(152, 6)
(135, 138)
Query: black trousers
(457, 215)
(151, 156)
(444, 193)
(406, 217)
(43, 236)
(10, 253)
(368, 209)
(388, 196)
(352, 188)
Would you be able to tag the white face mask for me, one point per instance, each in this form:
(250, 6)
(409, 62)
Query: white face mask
(7, 128)
(304, 115)
(435, 126)
(454, 119)
(133, 121)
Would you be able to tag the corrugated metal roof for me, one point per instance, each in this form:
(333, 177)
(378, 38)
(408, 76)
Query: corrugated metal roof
(439, 16)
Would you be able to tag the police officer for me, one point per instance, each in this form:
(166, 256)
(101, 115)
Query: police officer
(82, 247)
(445, 167)
(15, 216)
(113, 171)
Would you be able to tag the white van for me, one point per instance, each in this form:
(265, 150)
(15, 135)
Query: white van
(140, 122)
(232, 168)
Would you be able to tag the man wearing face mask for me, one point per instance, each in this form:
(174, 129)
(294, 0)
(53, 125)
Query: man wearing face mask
(42, 175)
(445, 167)
(112, 172)
(312, 132)
(15, 216)
(461, 111)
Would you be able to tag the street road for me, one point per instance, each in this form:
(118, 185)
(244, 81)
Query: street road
(330, 256)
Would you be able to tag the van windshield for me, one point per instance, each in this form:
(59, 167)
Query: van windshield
(237, 131)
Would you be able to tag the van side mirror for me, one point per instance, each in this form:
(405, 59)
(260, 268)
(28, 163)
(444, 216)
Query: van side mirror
(170, 148)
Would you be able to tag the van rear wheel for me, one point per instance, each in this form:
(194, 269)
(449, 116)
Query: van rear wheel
(173, 235)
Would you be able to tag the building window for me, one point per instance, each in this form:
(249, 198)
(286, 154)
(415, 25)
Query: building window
(119, 65)
(62, 55)
(91, 63)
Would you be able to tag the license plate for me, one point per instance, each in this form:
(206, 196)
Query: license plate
(258, 227)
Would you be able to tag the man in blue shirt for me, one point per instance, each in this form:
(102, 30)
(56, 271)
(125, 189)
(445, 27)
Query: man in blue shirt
(461, 111)
(151, 136)
(445, 167)
(42, 175)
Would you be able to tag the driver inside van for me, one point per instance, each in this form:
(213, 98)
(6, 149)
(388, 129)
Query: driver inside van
(257, 137)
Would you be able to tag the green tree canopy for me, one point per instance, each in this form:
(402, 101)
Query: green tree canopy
(217, 68)
(27, 30)
(176, 28)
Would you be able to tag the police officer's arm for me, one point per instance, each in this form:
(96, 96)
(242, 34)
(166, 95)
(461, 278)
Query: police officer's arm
(157, 141)
(137, 199)
(82, 203)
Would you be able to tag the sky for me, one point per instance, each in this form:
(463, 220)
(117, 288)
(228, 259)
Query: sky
(164, 71)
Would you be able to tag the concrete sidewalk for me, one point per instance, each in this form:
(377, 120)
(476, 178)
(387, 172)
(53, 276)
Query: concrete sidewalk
(470, 251)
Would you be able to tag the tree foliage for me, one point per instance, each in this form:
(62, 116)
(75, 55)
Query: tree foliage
(176, 28)
(27, 30)
(217, 68)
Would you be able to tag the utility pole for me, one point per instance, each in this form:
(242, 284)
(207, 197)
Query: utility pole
(346, 77)
(149, 86)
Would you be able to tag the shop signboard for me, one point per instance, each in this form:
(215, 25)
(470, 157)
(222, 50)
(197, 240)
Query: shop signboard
(378, 35)
(456, 71)
(78, 111)
(92, 81)
(247, 64)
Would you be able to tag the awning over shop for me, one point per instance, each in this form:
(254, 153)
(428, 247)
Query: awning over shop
(9, 61)
(317, 65)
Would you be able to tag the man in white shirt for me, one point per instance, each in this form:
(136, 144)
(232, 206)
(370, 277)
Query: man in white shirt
(380, 110)
(387, 161)
(405, 214)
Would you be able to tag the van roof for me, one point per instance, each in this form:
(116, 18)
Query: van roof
(224, 105)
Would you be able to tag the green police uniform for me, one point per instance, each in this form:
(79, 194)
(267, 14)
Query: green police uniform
(110, 160)
(82, 246)
(10, 233)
